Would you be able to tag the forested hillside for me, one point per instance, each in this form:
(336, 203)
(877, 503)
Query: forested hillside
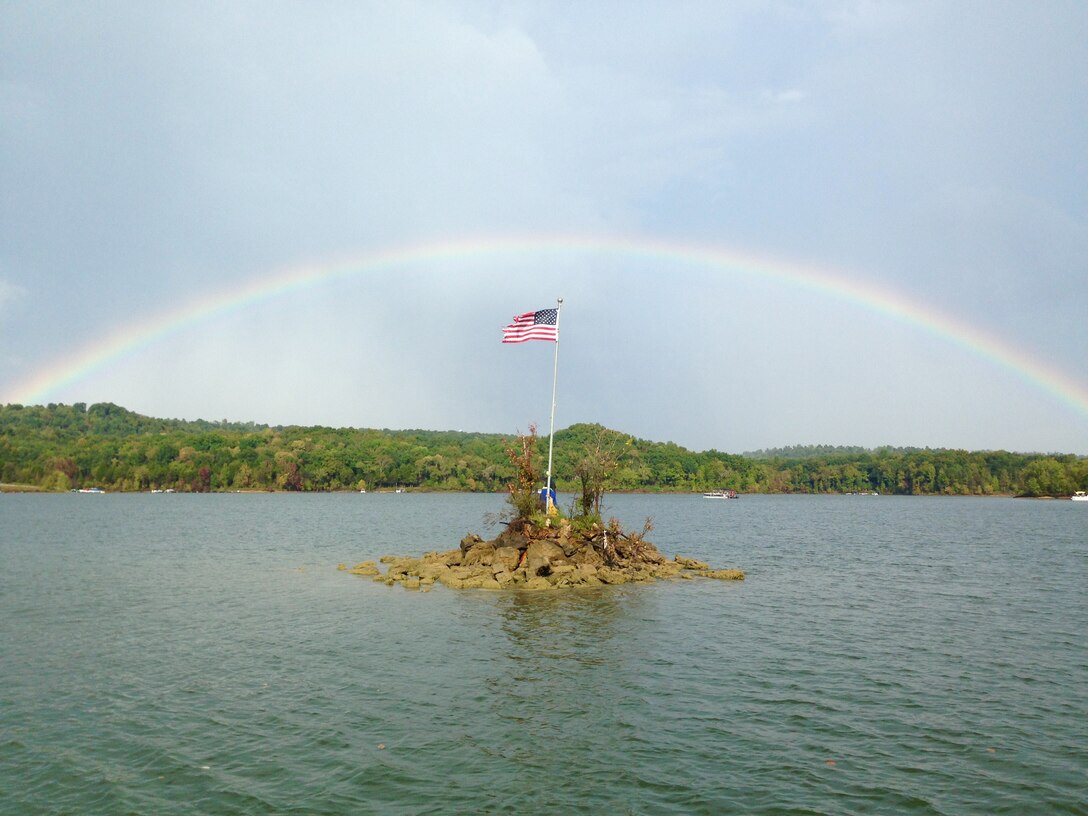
(62, 447)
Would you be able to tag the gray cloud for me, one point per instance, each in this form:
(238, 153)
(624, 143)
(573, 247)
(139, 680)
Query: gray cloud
(154, 154)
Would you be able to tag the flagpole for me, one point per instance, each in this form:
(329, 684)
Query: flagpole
(555, 379)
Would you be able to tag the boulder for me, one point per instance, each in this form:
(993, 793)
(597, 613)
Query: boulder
(587, 571)
(480, 582)
(480, 553)
(469, 541)
(587, 555)
(365, 568)
(691, 563)
(464, 573)
(402, 567)
(511, 538)
(542, 555)
(506, 557)
(432, 571)
(723, 574)
(668, 569)
(449, 558)
(608, 575)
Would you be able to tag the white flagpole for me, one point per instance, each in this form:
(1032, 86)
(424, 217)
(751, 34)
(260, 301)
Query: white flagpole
(555, 378)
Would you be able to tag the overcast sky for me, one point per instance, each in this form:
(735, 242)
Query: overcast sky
(156, 156)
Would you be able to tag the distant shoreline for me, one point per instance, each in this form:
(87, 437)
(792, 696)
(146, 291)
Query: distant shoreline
(29, 488)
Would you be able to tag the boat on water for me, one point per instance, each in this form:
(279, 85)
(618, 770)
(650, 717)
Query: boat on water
(1080, 495)
(720, 494)
(91, 490)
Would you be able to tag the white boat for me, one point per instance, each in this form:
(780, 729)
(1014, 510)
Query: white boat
(720, 494)
(1080, 495)
(91, 490)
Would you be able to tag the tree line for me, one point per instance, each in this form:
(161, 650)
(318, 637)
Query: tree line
(65, 447)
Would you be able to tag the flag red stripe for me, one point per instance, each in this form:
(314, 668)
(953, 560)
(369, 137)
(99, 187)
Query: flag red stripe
(526, 328)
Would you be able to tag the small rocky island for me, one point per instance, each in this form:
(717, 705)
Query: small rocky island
(529, 556)
(541, 548)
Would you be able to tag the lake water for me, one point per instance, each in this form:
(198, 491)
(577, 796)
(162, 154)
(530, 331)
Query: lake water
(196, 654)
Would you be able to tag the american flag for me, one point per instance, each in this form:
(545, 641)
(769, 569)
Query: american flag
(540, 325)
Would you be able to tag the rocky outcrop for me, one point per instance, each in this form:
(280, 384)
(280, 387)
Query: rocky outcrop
(531, 558)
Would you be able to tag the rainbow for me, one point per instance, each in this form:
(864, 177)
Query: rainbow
(128, 339)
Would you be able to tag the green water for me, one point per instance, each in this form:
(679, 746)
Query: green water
(176, 654)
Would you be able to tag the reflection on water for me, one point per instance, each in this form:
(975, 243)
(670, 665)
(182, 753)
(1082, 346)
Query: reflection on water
(577, 625)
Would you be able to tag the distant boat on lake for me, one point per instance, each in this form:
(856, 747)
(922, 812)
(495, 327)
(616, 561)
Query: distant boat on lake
(91, 490)
(720, 494)
(1080, 495)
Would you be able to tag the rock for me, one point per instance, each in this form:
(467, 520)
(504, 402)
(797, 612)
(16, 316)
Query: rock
(365, 568)
(469, 541)
(723, 574)
(546, 548)
(449, 558)
(433, 571)
(611, 576)
(341, 567)
(464, 572)
(668, 569)
(691, 563)
(510, 538)
(506, 557)
(542, 555)
(524, 557)
(400, 568)
(481, 553)
(587, 555)
(480, 582)
(587, 571)
(569, 544)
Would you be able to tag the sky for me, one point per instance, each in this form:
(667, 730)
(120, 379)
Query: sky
(843, 222)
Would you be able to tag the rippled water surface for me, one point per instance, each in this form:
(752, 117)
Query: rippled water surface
(184, 654)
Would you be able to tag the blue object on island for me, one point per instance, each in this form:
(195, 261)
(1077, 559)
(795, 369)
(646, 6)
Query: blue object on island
(547, 499)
